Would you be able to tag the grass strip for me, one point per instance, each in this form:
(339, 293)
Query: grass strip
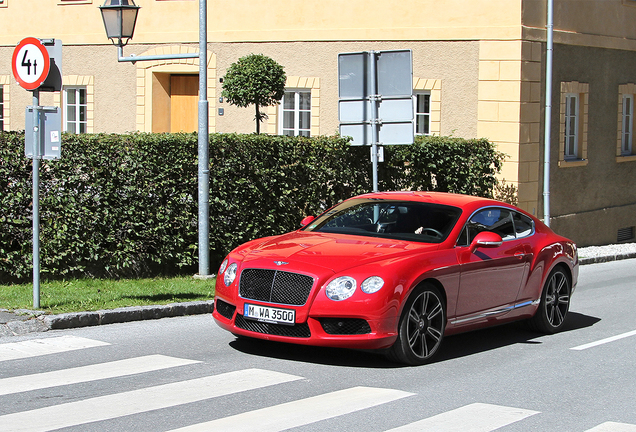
(80, 295)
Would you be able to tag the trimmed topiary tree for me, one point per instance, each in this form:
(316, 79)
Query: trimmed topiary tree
(254, 80)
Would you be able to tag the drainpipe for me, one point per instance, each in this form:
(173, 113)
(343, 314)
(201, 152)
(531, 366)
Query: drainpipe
(548, 114)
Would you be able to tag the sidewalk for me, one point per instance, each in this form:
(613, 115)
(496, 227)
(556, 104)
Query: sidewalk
(18, 322)
(13, 323)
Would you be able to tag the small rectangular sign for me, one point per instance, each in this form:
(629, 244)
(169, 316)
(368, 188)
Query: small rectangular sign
(49, 130)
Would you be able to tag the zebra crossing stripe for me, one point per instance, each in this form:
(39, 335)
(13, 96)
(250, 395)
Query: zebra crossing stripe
(142, 400)
(302, 412)
(39, 347)
(94, 372)
(477, 417)
(604, 341)
(613, 427)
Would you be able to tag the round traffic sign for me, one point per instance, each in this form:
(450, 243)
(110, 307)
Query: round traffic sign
(30, 63)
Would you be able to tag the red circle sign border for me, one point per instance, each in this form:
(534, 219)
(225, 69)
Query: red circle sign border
(47, 63)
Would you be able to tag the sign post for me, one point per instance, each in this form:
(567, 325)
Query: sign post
(375, 100)
(31, 66)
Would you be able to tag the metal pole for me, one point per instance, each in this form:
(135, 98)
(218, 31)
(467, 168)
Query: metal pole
(36, 199)
(133, 58)
(374, 120)
(203, 141)
(548, 114)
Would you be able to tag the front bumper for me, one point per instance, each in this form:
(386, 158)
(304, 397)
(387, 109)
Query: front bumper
(352, 331)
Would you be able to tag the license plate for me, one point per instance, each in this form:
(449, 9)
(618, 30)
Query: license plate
(270, 314)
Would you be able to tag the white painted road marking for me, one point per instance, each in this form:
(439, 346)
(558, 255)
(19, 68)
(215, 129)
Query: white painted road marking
(301, 412)
(39, 347)
(604, 341)
(613, 427)
(477, 417)
(90, 373)
(142, 400)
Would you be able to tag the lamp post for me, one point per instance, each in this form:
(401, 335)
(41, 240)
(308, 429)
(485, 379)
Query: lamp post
(120, 17)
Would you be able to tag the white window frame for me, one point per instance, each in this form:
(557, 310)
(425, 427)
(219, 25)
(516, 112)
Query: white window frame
(296, 130)
(573, 152)
(628, 122)
(1, 107)
(78, 108)
(421, 115)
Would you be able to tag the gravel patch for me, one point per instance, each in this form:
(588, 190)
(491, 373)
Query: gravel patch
(608, 250)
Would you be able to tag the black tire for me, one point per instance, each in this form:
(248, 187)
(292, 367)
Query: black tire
(421, 327)
(554, 304)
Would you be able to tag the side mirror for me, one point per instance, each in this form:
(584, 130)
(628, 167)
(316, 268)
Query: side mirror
(486, 239)
(306, 221)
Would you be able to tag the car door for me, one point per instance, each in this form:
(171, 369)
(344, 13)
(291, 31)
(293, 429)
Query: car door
(490, 277)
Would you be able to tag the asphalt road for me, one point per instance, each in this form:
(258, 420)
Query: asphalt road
(173, 373)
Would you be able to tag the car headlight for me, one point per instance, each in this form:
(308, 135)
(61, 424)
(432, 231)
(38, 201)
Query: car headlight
(230, 274)
(341, 288)
(223, 266)
(372, 284)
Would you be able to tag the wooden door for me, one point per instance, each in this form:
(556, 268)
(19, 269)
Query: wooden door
(184, 93)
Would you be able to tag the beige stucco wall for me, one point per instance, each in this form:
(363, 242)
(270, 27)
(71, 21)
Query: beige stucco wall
(114, 87)
(454, 63)
(282, 20)
(601, 23)
(121, 98)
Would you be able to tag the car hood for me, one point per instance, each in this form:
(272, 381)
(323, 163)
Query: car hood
(336, 252)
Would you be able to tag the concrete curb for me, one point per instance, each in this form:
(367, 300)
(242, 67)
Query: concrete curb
(607, 258)
(35, 321)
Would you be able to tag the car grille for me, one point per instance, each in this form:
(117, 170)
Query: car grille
(345, 326)
(275, 286)
(296, 330)
(225, 309)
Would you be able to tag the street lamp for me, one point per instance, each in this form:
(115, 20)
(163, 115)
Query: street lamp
(120, 17)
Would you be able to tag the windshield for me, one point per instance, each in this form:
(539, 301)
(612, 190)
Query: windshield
(403, 220)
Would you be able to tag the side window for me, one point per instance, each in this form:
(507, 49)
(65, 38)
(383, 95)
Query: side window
(524, 226)
(491, 219)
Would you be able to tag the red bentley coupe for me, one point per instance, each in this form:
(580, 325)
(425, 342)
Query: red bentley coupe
(397, 271)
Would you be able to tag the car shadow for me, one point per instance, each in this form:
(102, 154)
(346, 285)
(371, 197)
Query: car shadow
(467, 344)
(453, 347)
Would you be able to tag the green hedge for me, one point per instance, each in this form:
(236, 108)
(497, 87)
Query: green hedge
(126, 205)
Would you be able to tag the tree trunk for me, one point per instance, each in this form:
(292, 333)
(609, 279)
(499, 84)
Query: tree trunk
(258, 120)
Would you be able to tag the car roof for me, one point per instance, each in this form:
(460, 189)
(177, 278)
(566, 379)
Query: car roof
(463, 201)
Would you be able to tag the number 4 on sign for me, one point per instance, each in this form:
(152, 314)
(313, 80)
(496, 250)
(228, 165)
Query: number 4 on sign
(26, 62)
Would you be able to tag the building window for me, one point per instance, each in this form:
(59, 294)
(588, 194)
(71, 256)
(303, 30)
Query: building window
(625, 130)
(571, 126)
(1, 108)
(75, 108)
(422, 113)
(296, 113)
(627, 125)
(573, 130)
(427, 103)
(64, 2)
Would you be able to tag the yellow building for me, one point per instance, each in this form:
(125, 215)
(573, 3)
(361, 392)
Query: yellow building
(478, 66)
